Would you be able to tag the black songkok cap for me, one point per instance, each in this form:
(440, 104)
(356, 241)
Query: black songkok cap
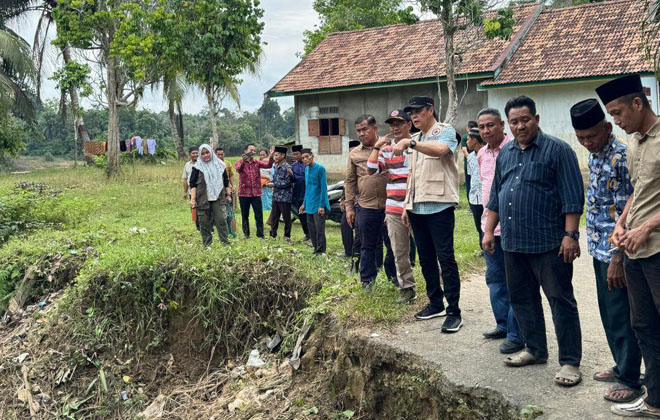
(621, 86)
(353, 143)
(306, 150)
(398, 114)
(586, 114)
(296, 148)
(417, 102)
(281, 149)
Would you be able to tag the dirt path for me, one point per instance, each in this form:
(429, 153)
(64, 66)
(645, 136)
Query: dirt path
(468, 359)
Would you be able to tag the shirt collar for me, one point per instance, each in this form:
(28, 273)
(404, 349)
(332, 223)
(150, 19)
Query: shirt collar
(498, 148)
(534, 142)
(606, 148)
(653, 131)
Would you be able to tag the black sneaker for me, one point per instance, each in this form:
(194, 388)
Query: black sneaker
(452, 324)
(430, 312)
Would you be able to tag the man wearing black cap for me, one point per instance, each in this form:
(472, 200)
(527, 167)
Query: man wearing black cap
(637, 232)
(382, 159)
(370, 203)
(431, 197)
(537, 196)
(349, 236)
(607, 193)
(298, 168)
(282, 181)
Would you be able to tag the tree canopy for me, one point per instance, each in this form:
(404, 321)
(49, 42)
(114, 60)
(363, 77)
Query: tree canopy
(348, 15)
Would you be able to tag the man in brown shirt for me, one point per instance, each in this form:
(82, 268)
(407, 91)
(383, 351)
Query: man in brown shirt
(370, 211)
(637, 231)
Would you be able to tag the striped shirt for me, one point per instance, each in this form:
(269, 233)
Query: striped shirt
(532, 190)
(397, 167)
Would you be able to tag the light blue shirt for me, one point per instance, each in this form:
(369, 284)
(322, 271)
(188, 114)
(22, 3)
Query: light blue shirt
(316, 189)
(448, 138)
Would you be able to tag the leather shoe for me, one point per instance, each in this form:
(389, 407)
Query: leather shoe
(508, 347)
(494, 334)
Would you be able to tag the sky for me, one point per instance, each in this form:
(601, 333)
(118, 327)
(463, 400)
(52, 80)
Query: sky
(285, 21)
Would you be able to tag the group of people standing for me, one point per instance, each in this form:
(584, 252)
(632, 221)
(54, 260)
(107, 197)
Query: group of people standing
(530, 195)
(209, 185)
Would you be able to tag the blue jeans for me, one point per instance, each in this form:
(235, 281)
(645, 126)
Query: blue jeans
(499, 294)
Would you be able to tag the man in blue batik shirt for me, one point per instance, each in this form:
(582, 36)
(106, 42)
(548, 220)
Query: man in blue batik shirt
(607, 193)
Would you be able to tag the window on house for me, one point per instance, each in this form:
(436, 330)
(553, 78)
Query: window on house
(329, 132)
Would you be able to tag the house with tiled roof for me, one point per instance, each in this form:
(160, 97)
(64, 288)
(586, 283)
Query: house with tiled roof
(557, 57)
(566, 54)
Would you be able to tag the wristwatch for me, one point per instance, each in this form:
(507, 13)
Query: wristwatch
(573, 235)
(413, 143)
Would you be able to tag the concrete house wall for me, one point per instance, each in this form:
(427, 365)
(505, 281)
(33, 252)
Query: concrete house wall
(553, 103)
(378, 102)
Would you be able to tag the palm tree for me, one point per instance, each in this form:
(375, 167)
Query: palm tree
(174, 89)
(17, 69)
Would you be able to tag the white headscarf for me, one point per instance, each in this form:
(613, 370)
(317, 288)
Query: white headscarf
(213, 171)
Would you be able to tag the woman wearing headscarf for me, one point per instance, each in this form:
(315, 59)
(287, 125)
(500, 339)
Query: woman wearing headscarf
(209, 194)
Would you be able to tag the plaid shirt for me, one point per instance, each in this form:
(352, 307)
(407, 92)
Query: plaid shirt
(283, 183)
(533, 189)
(249, 177)
(607, 193)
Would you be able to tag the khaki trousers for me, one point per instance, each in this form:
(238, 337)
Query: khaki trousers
(400, 239)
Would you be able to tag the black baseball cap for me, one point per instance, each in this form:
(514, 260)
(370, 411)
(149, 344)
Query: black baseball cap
(398, 114)
(417, 102)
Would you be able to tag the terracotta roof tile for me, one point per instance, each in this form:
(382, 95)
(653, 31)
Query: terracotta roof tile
(375, 55)
(597, 39)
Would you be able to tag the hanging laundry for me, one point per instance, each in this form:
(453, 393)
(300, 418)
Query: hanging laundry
(138, 145)
(151, 146)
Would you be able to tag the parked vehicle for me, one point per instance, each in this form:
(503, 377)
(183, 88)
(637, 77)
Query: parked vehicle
(335, 192)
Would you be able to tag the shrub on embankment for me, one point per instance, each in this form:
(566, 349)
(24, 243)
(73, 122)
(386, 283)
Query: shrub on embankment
(147, 294)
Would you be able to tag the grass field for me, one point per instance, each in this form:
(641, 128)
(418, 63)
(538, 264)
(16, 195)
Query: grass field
(151, 197)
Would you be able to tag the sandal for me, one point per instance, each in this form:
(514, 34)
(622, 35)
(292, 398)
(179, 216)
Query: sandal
(606, 375)
(571, 376)
(523, 358)
(635, 409)
(634, 393)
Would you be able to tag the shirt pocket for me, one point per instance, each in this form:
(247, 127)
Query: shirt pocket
(649, 170)
(434, 176)
(536, 172)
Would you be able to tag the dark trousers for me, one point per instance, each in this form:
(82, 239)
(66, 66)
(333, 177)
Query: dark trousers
(468, 180)
(477, 210)
(316, 226)
(413, 251)
(346, 235)
(525, 273)
(615, 315)
(643, 276)
(303, 219)
(371, 223)
(214, 216)
(255, 202)
(434, 236)
(499, 294)
(388, 262)
(283, 209)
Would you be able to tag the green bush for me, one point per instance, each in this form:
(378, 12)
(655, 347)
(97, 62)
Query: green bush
(48, 157)
(144, 292)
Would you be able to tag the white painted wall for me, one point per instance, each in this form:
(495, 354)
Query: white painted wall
(553, 103)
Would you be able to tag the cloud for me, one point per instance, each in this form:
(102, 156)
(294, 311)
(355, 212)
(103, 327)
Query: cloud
(285, 21)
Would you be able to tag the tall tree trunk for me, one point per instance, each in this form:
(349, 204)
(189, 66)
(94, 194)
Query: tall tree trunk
(178, 141)
(113, 156)
(80, 131)
(210, 97)
(449, 29)
(179, 121)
